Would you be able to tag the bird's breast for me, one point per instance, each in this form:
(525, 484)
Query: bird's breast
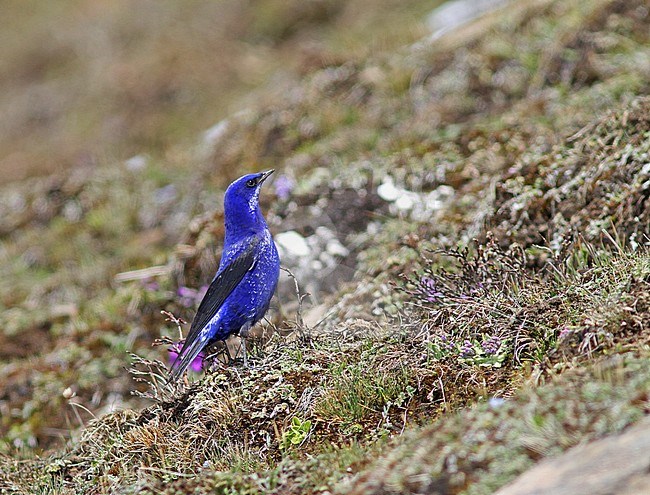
(250, 299)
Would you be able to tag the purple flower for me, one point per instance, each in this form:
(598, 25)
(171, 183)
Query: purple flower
(186, 291)
(467, 349)
(446, 343)
(564, 333)
(492, 345)
(150, 285)
(283, 186)
(201, 293)
(186, 296)
(429, 290)
(197, 364)
(190, 297)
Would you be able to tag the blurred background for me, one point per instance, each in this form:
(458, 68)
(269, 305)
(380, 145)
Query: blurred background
(85, 81)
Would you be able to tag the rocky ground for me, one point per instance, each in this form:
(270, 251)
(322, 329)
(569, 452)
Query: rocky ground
(465, 216)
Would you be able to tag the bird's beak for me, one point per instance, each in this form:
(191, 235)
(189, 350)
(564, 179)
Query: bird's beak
(265, 175)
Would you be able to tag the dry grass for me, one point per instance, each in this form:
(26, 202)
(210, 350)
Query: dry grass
(596, 184)
(368, 384)
(480, 450)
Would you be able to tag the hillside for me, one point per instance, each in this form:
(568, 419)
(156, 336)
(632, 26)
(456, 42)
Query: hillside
(466, 219)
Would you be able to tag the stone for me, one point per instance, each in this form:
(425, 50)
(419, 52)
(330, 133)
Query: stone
(618, 464)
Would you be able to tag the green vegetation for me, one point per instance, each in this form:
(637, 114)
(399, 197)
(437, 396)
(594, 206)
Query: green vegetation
(499, 318)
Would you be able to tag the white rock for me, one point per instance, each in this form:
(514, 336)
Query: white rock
(327, 260)
(373, 228)
(445, 192)
(451, 15)
(325, 233)
(335, 248)
(388, 192)
(292, 243)
(136, 163)
(432, 202)
(315, 243)
(406, 201)
(72, 211)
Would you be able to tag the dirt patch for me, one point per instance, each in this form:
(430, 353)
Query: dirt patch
(27, 343)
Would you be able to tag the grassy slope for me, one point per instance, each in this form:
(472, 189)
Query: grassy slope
(538, 125)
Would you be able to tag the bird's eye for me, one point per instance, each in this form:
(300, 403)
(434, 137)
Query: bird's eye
(251, 182)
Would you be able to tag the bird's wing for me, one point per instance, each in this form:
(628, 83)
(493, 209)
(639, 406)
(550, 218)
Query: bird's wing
(220, 288)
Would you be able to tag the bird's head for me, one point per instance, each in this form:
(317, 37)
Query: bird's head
(241, 203)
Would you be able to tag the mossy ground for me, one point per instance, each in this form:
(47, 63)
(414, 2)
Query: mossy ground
(506, 323)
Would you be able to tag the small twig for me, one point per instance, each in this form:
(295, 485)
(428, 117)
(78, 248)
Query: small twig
(177, 321)
(142, 274)
(76, 413)
(300, 322)
(167, 471)
(154, 373)
(616, 242)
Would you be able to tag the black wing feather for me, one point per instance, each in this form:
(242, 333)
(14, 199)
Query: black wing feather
(220, 288)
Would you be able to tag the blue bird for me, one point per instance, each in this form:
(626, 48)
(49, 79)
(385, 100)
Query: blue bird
(241, 291)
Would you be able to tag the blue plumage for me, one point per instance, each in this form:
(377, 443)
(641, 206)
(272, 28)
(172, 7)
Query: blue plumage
(241, 291)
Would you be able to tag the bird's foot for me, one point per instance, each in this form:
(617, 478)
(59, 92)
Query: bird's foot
(240, 363)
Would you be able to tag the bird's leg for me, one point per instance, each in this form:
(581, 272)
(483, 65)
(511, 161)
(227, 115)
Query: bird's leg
(230, 357)
(212, 355)
(243, 334)
(243, 347)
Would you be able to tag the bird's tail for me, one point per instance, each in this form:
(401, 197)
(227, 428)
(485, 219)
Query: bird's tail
(186, 356)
